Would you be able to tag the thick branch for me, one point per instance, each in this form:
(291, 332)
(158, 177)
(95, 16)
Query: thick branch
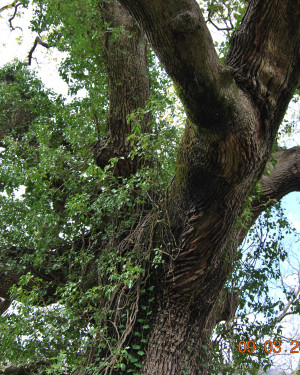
(179, 36)
(33, 369)
(128, 88)
(11, 275)
(4, 305)
(265, 54)
(7, 280)
(284, 178)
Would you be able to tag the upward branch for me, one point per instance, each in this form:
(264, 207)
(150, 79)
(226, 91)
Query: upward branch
(265, 55)
(179, 36)
(37, 41)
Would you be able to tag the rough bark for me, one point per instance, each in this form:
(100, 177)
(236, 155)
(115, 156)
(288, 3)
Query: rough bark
(178, 34)
(264, 54)
(173, 348)
(128, 86)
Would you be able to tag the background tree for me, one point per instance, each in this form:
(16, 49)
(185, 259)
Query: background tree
(122, 266)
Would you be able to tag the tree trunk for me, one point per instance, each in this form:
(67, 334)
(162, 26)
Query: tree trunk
(176, 341)
(128, 88)
(234, 112)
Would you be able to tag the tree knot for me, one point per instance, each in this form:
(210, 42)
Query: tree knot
(185, 22)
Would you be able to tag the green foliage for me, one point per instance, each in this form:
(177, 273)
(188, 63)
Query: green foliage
(224, 16)
(258, 268)
(79, 219)
(75, 27)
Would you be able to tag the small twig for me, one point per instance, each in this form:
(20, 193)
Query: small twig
(15, 5)
(219, 28)
(13, 17)
(8, 6)
(37, 41)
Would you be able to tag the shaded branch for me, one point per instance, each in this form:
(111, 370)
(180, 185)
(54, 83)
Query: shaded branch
(37, 41)
(284, 178)
(4, 305)
(227, 28)
(13, 370)
(11, 275)
(8, 278)
(32, 369)
(217, 27)
(224, 308)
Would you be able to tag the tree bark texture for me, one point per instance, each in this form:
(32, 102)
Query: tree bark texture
(128, 86)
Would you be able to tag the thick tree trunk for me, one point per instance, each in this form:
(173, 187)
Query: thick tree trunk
(175, 343)
(234, 112)
(128, 87)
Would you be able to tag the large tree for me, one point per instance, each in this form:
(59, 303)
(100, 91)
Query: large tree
(157, 271)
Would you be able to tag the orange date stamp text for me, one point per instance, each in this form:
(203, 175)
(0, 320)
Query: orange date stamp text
(269, 347)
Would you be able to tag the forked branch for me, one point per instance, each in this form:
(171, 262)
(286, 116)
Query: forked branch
(15, 4)
(37, 41)
(9, 6)
(182, 41)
